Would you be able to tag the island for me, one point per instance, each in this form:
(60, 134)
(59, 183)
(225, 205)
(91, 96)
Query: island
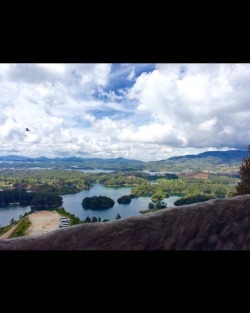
(124, 199)
(97, 203)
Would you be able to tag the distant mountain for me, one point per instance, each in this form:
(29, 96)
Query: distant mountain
(210, 160)
(16, 161)
(66, 159)
(224, 156)
(14, 158)
(213, 161)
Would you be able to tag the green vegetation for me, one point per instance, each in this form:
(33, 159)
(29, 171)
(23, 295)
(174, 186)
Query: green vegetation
(48, 185)
(192, 199)
(244, 184)
(43, 201)
(35, 200)
(17, 195)
(53, 181)
(185, 186)
(93, 220)
(124, 199)
(4, 229)
(74, 220)
(158, 205)
(21, 228)
(159, 195)
(118, 216)
(120, 179)
(97, 203)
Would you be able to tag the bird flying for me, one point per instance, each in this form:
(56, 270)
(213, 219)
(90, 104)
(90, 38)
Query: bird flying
(27, 130)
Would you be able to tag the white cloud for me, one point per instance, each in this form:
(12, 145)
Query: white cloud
(202, 102)
(131, 75)
(208, 125)
(88, 109)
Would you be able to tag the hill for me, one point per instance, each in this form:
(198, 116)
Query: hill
(216, 156)
(211, 161)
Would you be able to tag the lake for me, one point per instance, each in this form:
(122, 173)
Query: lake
(11, 211)
(97, 170)
(73, 204)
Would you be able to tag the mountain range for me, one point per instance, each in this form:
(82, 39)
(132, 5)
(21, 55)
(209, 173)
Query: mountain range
(205, 160)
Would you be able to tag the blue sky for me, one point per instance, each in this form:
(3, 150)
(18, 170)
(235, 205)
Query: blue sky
(137, 111)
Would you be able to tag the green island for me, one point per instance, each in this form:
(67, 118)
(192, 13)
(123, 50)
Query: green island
(97, 203)
(124, 199)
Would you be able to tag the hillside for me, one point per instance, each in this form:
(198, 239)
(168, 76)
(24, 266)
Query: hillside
(218, 161)
(218, 156)
(213, 225)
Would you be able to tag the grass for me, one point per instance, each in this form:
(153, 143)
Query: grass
(4, 229)
(73, 219)
(21, 228)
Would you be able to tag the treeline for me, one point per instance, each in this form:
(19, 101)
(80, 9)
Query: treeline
(56, 181)
(35, 200)
(192, 199)
(17, 195)
(119, 179)
(43, 201)
(181, 186)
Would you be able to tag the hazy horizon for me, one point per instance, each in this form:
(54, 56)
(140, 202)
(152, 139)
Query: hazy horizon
(144, 112)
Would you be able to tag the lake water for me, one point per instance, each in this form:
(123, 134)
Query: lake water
(97, 170)
(11, 211)
(73, 204)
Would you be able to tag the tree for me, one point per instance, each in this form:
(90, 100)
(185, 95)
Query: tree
(118, 216)
(244, 185)
(94, 219)
(150, 206)
(87, 219)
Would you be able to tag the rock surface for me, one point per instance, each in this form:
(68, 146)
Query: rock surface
(221, 224)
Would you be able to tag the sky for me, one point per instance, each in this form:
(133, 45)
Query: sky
(137, 111)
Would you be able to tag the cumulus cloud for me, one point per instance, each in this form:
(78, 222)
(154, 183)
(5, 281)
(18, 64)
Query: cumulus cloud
(208, 125)
(136, 111)
(206, 103)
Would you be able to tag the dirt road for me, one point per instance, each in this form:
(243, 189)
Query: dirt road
(9, 232)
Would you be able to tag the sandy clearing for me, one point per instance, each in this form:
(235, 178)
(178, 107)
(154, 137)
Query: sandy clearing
(43, 222)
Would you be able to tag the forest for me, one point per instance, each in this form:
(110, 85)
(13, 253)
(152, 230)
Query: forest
(35, 200)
